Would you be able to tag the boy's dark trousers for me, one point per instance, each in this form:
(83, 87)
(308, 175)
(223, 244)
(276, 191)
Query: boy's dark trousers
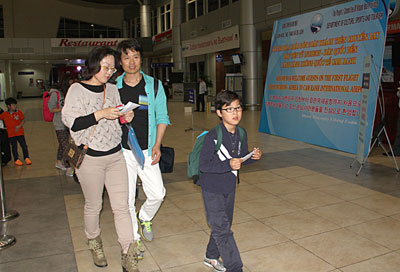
(14, 148)
(219, 213)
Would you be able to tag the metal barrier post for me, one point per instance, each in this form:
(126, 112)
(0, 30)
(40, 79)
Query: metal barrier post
(5, 240)
(4, 215)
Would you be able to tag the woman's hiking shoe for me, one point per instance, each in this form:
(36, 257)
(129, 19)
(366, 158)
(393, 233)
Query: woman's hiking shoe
(96, 248)
(129, 261)
(214, 263)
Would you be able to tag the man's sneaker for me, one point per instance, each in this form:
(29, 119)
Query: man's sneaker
(145, 229)
(28, 161)
(18, 163)
(214, 263)
(60, 166)
(139, 249)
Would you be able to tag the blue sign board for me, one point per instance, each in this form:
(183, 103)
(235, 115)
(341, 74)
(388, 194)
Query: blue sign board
(192, 97)
(315, 72)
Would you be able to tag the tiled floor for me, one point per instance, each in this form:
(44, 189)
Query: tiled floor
(300, 208)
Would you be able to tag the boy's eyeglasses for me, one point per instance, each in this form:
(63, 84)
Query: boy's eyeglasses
(109, 69)
(232, 109)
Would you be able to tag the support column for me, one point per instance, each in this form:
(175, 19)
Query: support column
(248, 48)
(8, 79)
(178, 10)
(145, 30)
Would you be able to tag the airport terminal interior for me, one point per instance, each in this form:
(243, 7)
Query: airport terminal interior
(300, 208)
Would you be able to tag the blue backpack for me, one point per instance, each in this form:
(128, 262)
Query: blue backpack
(194, 156)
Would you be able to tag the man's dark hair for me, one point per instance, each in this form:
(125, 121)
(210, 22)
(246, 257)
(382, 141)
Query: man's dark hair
(225, 97)
(11, 100)
(131, 44)
(92, 62)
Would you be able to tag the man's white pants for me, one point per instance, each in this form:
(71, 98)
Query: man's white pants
(152, 184)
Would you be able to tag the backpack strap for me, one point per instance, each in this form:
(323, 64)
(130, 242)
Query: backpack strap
(241, 133)
(219, 137)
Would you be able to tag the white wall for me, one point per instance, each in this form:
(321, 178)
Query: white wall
(40, 18)
(21, 82)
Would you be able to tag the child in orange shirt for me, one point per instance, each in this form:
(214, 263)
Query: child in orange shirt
(14, 120)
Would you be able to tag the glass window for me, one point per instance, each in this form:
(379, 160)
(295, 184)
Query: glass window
(200, 7)
(60, 33)
(71, 33)
(162, 22)
(193, 72)
(201, 68)
(86, 26)
(191, 10)
(212, 5)
(155, 25)
(100, 33)
(224, 3)
(86, 33)
(61, 24)
(168, 20)
(68, 28)
(71, 24)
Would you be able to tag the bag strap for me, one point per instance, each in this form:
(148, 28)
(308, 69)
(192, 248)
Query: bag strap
(155, 87)
(219, 136)
(86, 146)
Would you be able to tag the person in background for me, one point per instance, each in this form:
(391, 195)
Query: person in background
(90, 112)
(396, 146)
(56, 103)
(150, 122)
(14, 121)
(219, 172)
(202, 93)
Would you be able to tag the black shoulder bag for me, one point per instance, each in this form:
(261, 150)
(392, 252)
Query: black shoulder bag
(167, 153)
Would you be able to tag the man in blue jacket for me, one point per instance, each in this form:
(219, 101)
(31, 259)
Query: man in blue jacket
(150, 122)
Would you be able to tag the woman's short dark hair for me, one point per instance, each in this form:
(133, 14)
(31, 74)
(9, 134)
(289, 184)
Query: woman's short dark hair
(225, 97)
(131, 44)
(92, 62)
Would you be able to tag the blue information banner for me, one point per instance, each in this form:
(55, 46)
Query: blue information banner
(314, 79)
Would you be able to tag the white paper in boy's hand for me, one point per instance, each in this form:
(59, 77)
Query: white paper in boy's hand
(248, 156)
(128, 107)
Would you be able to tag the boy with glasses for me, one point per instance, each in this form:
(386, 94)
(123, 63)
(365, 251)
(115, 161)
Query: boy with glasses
(219, 172)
